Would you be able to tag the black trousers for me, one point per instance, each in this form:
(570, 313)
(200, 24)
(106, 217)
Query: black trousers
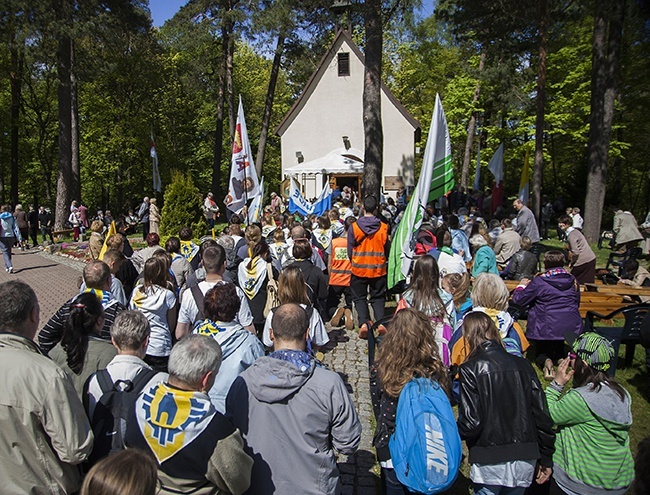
(145, 230)
(547, 349)
(362, 288)
(334, 297)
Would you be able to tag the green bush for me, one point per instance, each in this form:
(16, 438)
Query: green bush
(182, 207)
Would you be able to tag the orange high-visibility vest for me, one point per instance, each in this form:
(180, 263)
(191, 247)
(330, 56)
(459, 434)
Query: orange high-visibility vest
(340, 266)
(369, 254)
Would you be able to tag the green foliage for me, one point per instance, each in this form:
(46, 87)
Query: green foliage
(182, 206)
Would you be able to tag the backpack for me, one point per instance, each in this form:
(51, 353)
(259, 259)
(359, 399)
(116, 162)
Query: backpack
(425, 448)
(112, 411)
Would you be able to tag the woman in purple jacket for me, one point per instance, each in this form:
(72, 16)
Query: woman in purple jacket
(554, 299)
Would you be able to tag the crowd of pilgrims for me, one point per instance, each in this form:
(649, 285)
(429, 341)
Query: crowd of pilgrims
(451, 325)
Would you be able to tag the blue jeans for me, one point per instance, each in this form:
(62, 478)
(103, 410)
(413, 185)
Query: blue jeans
(6, 244)
(497, 490)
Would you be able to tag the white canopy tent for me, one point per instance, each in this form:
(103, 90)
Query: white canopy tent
(338, 162)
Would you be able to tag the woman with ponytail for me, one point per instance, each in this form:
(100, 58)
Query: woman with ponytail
(82, 351)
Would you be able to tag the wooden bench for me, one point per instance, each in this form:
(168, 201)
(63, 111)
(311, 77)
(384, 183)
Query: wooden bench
(598, 298)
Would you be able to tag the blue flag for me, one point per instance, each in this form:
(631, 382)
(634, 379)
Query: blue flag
(297, 202)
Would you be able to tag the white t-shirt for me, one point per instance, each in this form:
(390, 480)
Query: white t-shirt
(154, 304)
(317, 331)
(189, 312)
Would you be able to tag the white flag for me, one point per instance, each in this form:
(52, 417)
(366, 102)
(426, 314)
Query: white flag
(157, 183)
(496, 165)
(436, 179)
(243, 184)
(255, 209)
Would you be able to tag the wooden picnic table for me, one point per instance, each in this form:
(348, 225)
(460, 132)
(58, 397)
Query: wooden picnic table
(618, 289)
(602, 299)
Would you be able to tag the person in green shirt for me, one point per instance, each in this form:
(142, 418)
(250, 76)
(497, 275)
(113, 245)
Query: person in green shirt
(592, 446)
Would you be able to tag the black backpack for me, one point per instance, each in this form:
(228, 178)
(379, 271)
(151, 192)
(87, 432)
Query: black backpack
(112, 411)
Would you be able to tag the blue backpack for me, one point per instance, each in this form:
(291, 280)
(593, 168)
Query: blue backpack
(425, 448)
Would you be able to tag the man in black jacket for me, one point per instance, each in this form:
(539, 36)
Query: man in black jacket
(502, 414)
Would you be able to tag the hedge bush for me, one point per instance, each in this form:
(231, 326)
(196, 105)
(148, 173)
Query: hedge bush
(182, 207)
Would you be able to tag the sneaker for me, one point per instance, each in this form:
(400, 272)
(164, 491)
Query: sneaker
(549, 370)
(349, 320)
(363, 331)
(10, 269)
(336, 319)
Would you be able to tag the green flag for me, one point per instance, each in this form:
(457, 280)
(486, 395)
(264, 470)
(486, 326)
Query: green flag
(436, 179)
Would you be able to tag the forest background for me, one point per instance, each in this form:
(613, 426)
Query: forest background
(84, 83)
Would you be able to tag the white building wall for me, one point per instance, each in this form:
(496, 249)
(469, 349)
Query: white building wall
(335, 109)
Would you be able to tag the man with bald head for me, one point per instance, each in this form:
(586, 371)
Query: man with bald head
(299, 232)
(309, 407)
(526, 223)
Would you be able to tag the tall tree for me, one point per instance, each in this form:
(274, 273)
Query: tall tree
(16, 78)
(64, 184)
(541, 100)
(471, 128)
(268, 103)
(372, 126)
(608, 30)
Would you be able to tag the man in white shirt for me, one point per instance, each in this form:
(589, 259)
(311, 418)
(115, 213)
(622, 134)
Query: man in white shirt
(214, 262)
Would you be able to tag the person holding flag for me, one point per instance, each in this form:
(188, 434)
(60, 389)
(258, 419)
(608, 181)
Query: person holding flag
(436, 179)
(243, 183)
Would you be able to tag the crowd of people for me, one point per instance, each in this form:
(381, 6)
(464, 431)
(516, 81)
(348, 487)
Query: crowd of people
(194, 367)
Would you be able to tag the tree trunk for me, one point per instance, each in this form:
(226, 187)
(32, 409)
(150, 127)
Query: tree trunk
(232, 119)
(75, 186)
(268, 104)
(64, 182)
(218, 134)
(539, 121)
(372, 128)
(472, 126)
(15, 76)
(606, 58)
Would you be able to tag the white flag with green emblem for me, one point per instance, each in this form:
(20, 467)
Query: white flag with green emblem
(436, 179)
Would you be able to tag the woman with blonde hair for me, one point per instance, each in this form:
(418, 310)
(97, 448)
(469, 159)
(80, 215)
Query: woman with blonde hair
(253, 275)
(457, 284)
(408, 350)
(129, 471)
(292, 288)
(96, 241)
(490, 296)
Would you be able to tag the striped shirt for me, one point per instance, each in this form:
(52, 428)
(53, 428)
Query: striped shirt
(51, 333)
